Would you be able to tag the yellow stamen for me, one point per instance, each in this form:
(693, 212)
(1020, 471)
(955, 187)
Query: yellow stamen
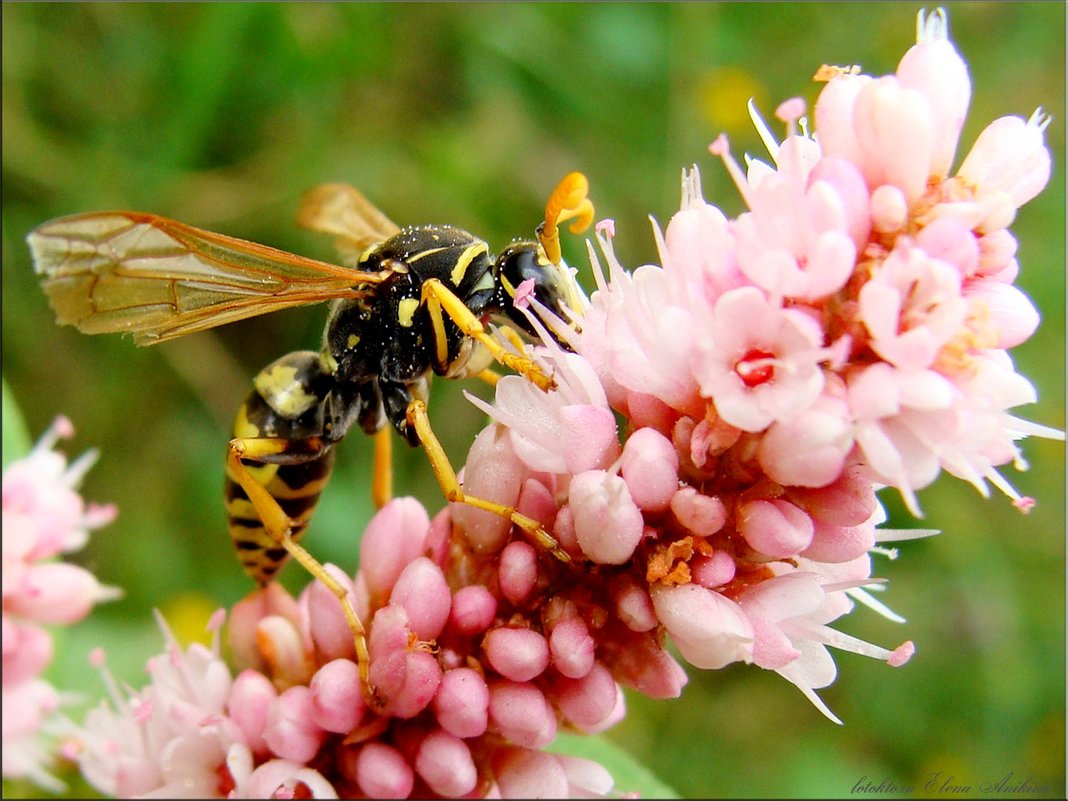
(568, 201)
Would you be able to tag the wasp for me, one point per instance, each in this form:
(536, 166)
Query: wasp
(415, 303)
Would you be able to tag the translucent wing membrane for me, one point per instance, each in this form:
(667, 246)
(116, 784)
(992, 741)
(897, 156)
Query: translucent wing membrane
(341, 210)
(130, 272)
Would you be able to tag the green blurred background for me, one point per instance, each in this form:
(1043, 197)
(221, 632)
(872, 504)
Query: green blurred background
(221, 115)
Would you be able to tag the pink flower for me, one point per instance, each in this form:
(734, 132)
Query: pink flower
(789, 614)
(43, 516)
(760, 363)
(845, 331)
(912, 307)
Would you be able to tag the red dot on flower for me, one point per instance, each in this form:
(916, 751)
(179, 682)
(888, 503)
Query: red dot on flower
(755, 367)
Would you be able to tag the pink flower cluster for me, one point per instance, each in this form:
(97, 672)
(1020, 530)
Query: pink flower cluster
(43, 516)
(471, 681)
(847, 332)
(709, 460)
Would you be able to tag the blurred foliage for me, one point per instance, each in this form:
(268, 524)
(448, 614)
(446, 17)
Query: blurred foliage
(221, 115)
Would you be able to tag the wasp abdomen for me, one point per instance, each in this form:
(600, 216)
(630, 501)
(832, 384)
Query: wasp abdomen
(286, 407)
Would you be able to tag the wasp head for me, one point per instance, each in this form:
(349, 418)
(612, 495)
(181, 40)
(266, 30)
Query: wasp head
(523, 271)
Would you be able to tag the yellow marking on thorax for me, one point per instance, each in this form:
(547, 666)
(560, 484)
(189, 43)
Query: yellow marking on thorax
(352, 341)
(471, 252)
(406, 311)
(422, 254)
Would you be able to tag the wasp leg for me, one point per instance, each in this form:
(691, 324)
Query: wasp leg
(440, 298)
(491, 377)
(382, 474)
(274, 450)
(450, 485)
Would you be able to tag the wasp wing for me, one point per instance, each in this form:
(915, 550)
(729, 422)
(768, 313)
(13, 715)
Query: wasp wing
(343, 211)
(156, 278)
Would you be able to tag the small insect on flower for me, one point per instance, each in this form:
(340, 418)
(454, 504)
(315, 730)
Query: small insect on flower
(416, 303)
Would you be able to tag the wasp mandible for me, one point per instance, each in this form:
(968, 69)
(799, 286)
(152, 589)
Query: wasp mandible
(415, 303)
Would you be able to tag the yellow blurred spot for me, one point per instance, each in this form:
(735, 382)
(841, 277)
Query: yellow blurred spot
(187, 615)
(722, 96)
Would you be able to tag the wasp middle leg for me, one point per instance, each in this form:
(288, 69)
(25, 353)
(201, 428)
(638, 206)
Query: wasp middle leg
(450, 485)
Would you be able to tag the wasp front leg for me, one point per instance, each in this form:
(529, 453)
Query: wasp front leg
(450, 485)
(441, 301)
(264, 489)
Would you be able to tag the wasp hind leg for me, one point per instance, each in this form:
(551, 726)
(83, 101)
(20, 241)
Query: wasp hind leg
(280, 526)
(450, 485)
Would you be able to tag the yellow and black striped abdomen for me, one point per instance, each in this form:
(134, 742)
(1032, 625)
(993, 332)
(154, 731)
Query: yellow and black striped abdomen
(297, 489)
(285, 408)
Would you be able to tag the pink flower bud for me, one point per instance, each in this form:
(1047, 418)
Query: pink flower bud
(835, 544)
(444, 762)
(27, 651)
(848, 185)
(889, 209)
(710, 630)
(639, 662)
(572, 648)
(245, 618)
(564, 530)
(590, 435)
(56, 592)
(337, 697)
(951, 241)
(326, 620)
(518, 571)
(648, 411)
(525, 773)
(473, 609)
(1009, 156)
(633, 605)
(713, 571)
(810, 449)
(895, 130)
(383, 772)
(848, 501)
(522, 715)
(701, 514)
(650, 467)
(1012, 316)
(419, 676)
(251, 699)
(934, 68)
(291, 732)
(493, 472)
(394, 537)
(834, 112)
(536, 501)
(776, 528)
(422, 591)
(282, 650)
(462, 702)
(517, 654)
(996, 251)
(405, 678)
(608, 525)
(588, 702)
